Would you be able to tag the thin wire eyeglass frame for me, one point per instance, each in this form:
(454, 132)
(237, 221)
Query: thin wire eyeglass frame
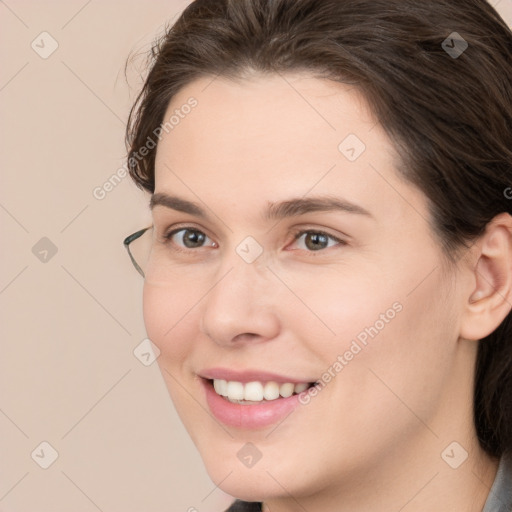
(129, 240)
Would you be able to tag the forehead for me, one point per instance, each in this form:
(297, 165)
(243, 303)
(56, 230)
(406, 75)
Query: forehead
(266, 137)
(250, 121)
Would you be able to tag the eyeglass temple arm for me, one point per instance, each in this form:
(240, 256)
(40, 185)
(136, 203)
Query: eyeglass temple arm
(128, 240)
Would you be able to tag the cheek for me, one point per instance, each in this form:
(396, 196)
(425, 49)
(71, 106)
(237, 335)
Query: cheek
(342, 303)
(409, 344)
(167, 316)
(392, 335)
(155, 311)
(171, 324)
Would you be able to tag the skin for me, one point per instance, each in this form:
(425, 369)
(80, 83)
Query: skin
(372, 439)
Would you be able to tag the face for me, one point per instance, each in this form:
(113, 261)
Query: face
(294, 253)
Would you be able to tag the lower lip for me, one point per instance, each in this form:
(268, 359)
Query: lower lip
(248, 416)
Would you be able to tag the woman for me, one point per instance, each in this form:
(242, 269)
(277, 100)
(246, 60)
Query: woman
(328, 276)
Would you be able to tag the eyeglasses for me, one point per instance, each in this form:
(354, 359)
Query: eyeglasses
(138, 246)
(152, 257)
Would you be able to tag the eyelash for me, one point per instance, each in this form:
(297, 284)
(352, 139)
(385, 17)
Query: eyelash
(296, 235)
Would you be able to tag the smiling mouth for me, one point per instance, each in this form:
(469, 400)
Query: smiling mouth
(257, 392)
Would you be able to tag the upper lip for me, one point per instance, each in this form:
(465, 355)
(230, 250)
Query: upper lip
(248, 375)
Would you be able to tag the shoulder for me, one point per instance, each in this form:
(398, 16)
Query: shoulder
(500, 496)
(244, 506)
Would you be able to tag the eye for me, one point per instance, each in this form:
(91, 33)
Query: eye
(316, 240)
(189, 238)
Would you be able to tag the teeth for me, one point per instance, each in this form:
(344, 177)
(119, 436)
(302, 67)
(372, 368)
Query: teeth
(299, 388)
(221, 387)
(286, 390)
(256, 391)
(235, 390)
(271, 391)
(253, 391)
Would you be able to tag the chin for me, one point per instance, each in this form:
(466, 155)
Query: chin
(248, 487)
(258, 483)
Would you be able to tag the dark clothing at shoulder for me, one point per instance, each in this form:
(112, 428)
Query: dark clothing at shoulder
(244, 506)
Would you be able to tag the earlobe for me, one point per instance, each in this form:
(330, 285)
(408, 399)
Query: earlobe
(490, 299)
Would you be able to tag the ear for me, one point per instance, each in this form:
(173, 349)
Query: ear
(489, 299)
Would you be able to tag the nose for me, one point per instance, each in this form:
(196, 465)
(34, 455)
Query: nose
(241, 306)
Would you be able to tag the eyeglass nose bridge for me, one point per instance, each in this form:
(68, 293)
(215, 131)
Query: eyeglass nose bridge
(129, 240)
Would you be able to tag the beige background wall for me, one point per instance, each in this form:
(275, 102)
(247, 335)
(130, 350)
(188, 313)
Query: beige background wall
(70, 321)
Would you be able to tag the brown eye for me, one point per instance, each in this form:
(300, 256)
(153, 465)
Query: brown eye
(316, 240)
(188, 238)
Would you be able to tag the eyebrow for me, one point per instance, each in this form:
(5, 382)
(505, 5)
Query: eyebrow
(275, 211)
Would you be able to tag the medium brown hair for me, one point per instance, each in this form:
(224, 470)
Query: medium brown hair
(448, 115)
